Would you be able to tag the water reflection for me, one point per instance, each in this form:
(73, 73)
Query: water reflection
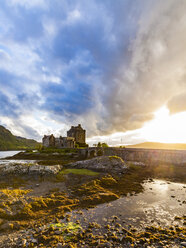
(161, 187)
(4, 154)
(160, 202)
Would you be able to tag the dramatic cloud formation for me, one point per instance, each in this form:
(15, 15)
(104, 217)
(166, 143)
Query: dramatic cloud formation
(177, 103)
(108, 65)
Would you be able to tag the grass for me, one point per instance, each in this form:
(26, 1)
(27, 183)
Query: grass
(79, 172)
(60, 176)
(51, 162)
(58, 150)
(134, 167)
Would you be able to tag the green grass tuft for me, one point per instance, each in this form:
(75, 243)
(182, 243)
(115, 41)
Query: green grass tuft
(79, 172)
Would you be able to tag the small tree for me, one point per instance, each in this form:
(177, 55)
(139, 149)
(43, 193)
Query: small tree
(104, 145)
(99, 144)
(40, 147)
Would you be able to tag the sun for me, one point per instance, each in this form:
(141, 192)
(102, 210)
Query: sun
(166, 127)
(163, 128)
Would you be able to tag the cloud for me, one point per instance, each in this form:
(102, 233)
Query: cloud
(4, 55)
(106, 65)
(28, 4)
(18, 128)
(156, 68)
(177, 103)
(118, 139)
(7, 107)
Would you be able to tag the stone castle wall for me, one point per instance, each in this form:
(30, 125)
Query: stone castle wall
(76, 135)
(61, 142)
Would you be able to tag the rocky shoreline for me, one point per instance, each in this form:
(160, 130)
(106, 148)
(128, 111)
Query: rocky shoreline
(103, 163)
(41, 205)
(29, 169)
(114, 236)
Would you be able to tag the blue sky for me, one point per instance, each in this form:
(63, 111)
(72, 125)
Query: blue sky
(106, 64)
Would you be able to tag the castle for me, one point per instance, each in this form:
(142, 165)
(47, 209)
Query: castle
(75, 136)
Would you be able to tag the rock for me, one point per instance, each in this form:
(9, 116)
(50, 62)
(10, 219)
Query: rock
(138, 163)
(40, 169)
(105, 245)
(24, 242)
(183, 244)
(129, 239)
(6, 226)
(102, 163)
(34, 241)
(29, 169)
(17, 226)
(59, 245)
(58, 232)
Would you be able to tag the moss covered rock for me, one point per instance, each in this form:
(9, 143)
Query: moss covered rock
(102, 163)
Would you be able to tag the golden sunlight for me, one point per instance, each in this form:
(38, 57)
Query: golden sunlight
(161, 186)
(166, 127)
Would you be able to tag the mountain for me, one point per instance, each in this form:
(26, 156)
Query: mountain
(10, 142)
(156, 145)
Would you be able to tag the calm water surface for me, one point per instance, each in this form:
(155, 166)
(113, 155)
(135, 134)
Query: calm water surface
(158, 205)
(4, 154)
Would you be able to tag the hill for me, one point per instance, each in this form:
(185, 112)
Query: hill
(156, 145)
(10, 142)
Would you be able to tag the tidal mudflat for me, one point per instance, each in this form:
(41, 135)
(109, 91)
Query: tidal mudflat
(160, 203)
(72, 207)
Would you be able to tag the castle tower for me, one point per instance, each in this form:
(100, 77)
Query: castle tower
(79, 134)
(49, 141)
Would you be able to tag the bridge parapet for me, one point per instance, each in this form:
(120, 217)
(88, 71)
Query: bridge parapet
(148, 156)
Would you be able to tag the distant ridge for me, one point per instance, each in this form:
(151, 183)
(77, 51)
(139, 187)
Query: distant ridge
(157, 145)
(10, 142)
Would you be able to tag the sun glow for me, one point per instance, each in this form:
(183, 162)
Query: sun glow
(166, 127)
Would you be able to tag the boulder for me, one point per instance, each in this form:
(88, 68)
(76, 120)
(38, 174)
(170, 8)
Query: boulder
(102, 163)
(29, 169)
(41, 169)
(6, 226)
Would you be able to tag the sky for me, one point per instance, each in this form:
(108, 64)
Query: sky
(116, 67)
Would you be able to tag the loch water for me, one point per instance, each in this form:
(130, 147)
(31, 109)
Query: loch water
(4, 154)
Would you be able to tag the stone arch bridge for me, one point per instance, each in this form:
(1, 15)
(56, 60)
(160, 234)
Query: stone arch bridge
(150, 156)
(91, 152)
